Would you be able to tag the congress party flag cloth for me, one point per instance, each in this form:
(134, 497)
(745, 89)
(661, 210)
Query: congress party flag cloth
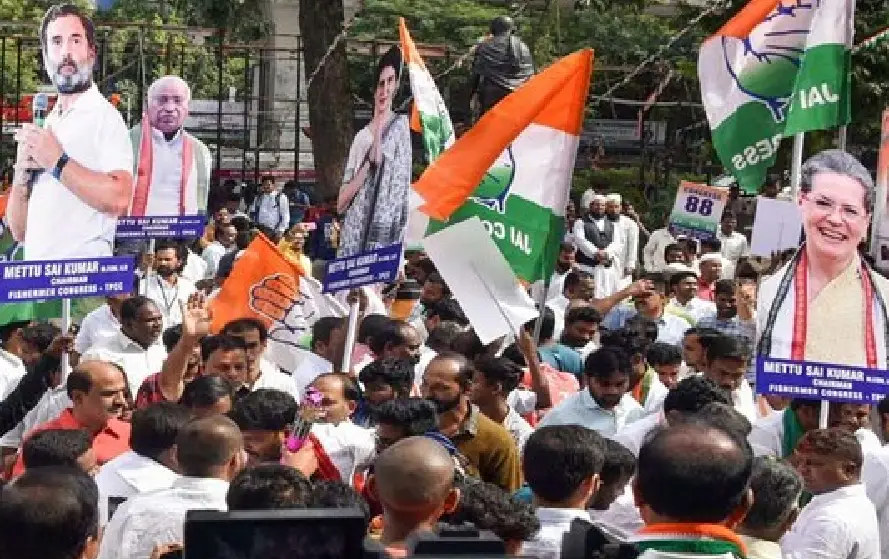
(266, 286)
(776, 69)
(430, 116)
(513, 169)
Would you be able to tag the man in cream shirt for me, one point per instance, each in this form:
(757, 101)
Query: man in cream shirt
(84, 162)
(173, 167)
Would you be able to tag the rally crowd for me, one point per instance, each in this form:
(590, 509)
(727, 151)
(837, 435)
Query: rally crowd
(633, 413)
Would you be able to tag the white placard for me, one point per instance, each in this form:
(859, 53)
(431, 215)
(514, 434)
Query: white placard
(480, 279)
(777, 226)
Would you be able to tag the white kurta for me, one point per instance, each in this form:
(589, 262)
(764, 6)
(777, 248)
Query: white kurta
(630, 254)
(653, 252)
(606, 278)
(841, 524)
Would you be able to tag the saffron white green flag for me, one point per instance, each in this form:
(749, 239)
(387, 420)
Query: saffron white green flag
(430, 115)
(776, 69)
(513, 169)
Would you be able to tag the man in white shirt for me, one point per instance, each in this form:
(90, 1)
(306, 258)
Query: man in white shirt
(166, 286)
(734, 244)
(328, 345)
(210, 453)
(195, 268)
(82, 154)
(630, 234)
(12, 368)
(684, 287)
(271, 208)
(875, 477)
(223, 243)
(725, 362)
(653, 251)
(561, 495)
(262, 373)
(564, 264)
(100, 325)
(688, 398)
(150, 465)
(172, 166)
(350, 448)
(839, 521)
(604, 406)
(137, 347)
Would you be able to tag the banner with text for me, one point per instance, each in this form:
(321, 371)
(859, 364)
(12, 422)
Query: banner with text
(52, 279)
(697, 210)
(820, 381)
(155, 227)
(374, 266)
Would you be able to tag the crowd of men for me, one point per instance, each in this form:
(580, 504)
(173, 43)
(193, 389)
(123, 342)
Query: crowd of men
(634, 415)
(623, 422)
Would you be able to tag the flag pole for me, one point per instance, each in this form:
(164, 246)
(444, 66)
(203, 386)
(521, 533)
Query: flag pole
(795, 176)
(796, 163)
(351, 332)
(66, 328)
(850, 40)
(541, 309)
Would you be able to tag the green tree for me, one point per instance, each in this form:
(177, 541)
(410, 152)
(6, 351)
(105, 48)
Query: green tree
(330, 98)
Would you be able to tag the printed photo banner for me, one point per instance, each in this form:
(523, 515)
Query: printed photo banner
(53, 279)
(167, 227)
(820, 381)
(697, 210)
(374, 266)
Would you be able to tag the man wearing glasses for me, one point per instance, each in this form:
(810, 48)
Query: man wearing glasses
(827, 304)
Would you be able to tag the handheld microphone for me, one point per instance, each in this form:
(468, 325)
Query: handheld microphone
(39, 108)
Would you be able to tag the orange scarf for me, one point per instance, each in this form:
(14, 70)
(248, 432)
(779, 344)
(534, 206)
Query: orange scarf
(144, 169)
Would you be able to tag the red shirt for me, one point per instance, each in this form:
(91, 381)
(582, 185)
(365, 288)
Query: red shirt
(109, 443)
(150, 392)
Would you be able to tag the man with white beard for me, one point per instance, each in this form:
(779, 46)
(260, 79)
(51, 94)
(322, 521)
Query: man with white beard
(599, 244)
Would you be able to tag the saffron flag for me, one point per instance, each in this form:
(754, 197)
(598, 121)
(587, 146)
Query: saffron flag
(776, 69)
(266, 286)
(513, 169)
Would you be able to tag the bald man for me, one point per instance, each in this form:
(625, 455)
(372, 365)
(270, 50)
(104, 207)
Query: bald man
(414, 481)
(210, 453)
(694, 476)
(98, 394)
(172, 167)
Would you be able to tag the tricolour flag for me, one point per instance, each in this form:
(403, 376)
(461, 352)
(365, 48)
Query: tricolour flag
(266, 286)
(430, 116)
(776, 69)
(513, 168)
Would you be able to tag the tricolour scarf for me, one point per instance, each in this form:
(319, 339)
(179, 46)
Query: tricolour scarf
(691, 538)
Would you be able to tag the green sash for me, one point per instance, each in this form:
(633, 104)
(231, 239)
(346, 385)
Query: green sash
(793, 432)
(691, 546)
